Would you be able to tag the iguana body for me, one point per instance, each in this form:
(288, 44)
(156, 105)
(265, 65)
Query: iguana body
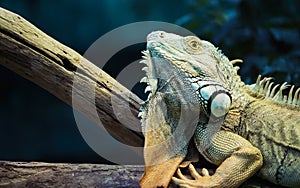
(244, 129)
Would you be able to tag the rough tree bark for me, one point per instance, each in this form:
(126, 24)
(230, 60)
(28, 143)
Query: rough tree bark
(20, 174)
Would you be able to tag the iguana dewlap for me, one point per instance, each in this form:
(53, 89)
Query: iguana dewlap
(197, 96)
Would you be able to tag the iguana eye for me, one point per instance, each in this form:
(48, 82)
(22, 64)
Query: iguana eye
(193, 44)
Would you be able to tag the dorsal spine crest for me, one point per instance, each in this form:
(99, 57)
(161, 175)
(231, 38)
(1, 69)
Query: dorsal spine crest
(265, 88)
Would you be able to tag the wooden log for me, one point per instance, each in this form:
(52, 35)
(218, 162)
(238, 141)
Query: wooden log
(32, 54)
(37, 174)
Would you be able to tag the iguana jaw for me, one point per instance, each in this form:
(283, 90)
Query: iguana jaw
(159, 61)
(157, 65)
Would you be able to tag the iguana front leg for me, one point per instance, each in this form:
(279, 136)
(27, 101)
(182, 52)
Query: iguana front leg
(238, 160)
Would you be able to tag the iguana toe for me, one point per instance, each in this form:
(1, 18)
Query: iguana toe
(199, 181)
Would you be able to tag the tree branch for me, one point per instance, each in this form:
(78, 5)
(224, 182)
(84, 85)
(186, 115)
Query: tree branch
(20, 174)
(32, 54)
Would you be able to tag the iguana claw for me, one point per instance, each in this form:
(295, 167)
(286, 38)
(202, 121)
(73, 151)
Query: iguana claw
(183, 181)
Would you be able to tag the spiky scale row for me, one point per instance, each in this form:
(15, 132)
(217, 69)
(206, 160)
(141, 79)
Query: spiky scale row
(145, 60)
(144, 80)
(146, 69)
(265, 87)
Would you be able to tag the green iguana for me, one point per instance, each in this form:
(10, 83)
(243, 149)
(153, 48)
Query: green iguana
(198, 99)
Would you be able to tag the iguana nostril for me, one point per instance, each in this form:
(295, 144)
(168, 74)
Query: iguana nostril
(155, 35)
(162, 35)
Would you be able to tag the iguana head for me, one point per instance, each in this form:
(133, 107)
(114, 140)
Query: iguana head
(191, 67)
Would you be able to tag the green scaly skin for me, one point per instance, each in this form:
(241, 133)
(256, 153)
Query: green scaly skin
(244, 129)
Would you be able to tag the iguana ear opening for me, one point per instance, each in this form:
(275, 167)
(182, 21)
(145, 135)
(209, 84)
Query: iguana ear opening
(220, 104)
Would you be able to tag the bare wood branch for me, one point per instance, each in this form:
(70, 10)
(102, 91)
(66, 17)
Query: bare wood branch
(36, 174)
(29, 52)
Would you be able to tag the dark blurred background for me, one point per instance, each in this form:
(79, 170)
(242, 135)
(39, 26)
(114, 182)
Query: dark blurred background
(36, 126)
